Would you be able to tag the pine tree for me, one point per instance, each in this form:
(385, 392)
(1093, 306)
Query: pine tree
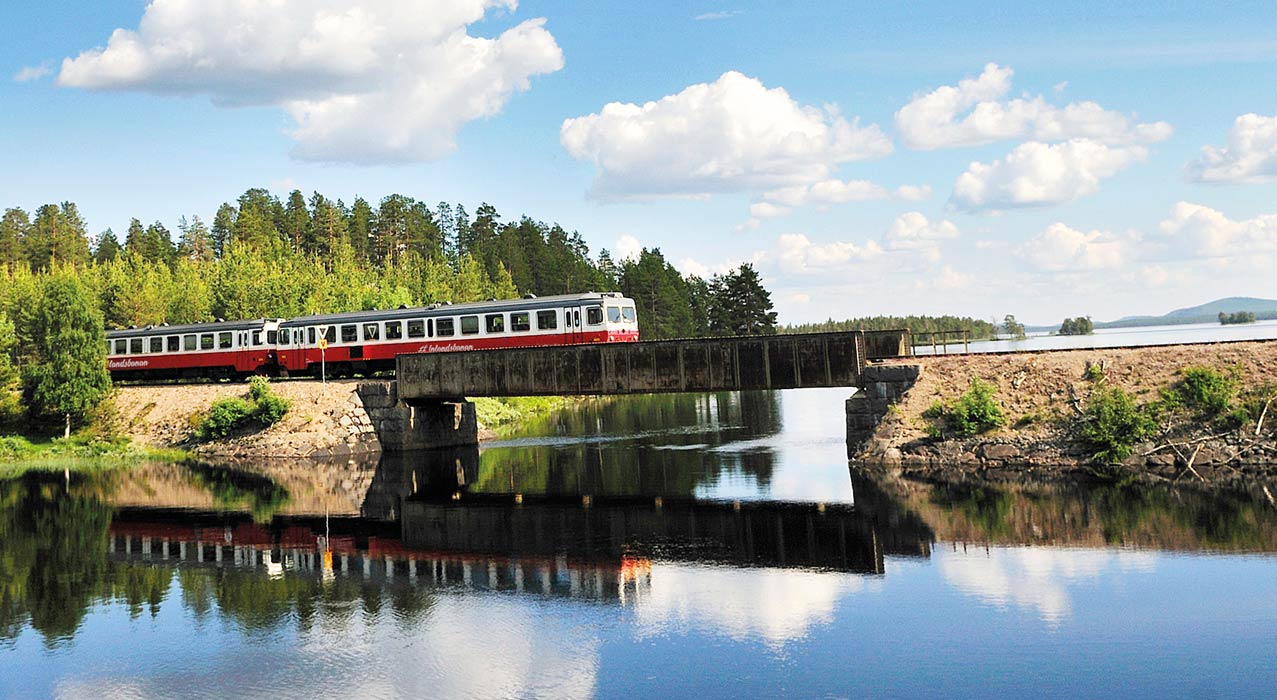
(196, 241)
(14, 227)
(741, 305)
(69, 378)
(223, 227)
(659, 294)
(296, 220)
(108, 248)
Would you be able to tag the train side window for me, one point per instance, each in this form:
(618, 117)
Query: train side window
(206, 341)
(135, 346)
(285, 338)
(349, 334)
(495, 323)
(614, 314)
(576, 318)
(594, 315)
(520, 322)
(330, 333)
(628, 312)
(372, 331)
(444, 327)
(224, 341)
(157, 345)
(121, 347)
(416, 329)
(394, 330)
(174, 343)
(188, 342)
(547, 320)
(257, 338)
(469, 325)
(310, 335)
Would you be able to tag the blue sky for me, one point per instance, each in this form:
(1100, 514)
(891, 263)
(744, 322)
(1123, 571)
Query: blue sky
(972, 158)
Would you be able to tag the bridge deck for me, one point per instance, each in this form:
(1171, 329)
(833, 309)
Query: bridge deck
(693, 365)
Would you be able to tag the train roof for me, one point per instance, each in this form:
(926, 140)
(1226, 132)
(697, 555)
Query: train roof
(187, 328)
(528, 304)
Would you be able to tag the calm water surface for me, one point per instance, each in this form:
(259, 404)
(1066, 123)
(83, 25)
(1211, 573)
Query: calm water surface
(1122, 337)
(708, 546)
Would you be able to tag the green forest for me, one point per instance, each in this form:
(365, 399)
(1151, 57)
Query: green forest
(263, 256)
(921, 327)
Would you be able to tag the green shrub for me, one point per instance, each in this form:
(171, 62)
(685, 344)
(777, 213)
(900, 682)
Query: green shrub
(228, 415)
(1208, 390)
(1112, 424)
(974, 412)
(1094, 373)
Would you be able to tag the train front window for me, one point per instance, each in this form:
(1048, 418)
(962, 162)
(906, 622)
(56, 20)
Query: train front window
(594, 315)
(349, 334)
(613, 314)
(394, 330)
(121, 347)
(206, 341)
(444, 327)
(547, 321)
(224, 341)
(628, 312)
(469, 325)
(520, 322)
(135, 346)
(416, 329)
(157, 345)
(372, 331)
(495, 323)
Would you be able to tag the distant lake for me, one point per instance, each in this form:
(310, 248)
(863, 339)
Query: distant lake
(1125, 337)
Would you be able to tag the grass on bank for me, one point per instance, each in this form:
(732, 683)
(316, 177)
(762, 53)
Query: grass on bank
(504, 413)
(19, 455)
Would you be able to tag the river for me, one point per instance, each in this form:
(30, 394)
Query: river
(665, 546)
(1122, 337)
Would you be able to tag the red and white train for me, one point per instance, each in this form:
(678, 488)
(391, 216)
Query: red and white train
(363, 342)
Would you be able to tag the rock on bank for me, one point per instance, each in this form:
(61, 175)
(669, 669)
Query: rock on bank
(334, 419)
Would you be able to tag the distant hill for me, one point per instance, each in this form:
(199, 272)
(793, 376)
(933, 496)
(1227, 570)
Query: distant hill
(1205, 313)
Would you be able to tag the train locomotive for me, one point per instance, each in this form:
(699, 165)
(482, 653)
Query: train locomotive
(364, 342)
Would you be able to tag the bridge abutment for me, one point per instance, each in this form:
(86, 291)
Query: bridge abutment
(883, 386)
(400, 427)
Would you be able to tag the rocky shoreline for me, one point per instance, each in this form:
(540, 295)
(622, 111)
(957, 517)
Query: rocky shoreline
(1041, 396)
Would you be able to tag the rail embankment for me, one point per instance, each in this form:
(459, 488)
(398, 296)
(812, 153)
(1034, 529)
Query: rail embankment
(336, 419)
(1204, 412)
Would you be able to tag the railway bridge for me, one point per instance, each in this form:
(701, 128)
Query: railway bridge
(429, 382)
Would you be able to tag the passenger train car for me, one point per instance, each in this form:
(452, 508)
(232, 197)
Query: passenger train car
(365, 341)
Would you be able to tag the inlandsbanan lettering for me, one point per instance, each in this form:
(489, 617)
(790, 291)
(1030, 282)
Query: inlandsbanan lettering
(444, 348)
(127, 364)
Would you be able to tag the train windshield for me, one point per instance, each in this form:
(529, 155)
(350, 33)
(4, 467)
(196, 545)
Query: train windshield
(613, 314)
(628, 311)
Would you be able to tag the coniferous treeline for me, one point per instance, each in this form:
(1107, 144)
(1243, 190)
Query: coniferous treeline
(917, 325)
(266, 257)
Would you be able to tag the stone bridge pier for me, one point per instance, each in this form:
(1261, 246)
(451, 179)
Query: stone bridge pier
(883, 386)
(401, 427)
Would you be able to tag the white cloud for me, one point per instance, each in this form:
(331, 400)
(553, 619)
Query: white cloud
(731, 135)
(1037, 174)
(628, 248)
(724, 14)
(913, 193)
(1059, 248)
(29, 73)
(912, 230)
(1154, 275)
(1207, 232)
(799, 298)
(1249, 157)
(935, 119)
(364, 81)
(796, 254)
(950, 280)
(827, 192)
(766, 210)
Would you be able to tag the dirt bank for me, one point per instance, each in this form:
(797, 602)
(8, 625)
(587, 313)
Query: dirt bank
(1041, 396)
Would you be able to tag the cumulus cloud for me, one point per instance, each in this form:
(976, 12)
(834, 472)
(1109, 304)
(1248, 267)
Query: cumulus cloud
(1249, 157)
(913, 193)
(827, 192)
(796, 254)
(1059, 248)
(628, 248)
(731, 135)
(974, 112)
(912, 231)
(29, 73)
(363, 81)
(1038, 174)
(766, 210)
(1210, 233)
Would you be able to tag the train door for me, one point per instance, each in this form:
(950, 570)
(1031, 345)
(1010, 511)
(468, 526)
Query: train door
(572, 324)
